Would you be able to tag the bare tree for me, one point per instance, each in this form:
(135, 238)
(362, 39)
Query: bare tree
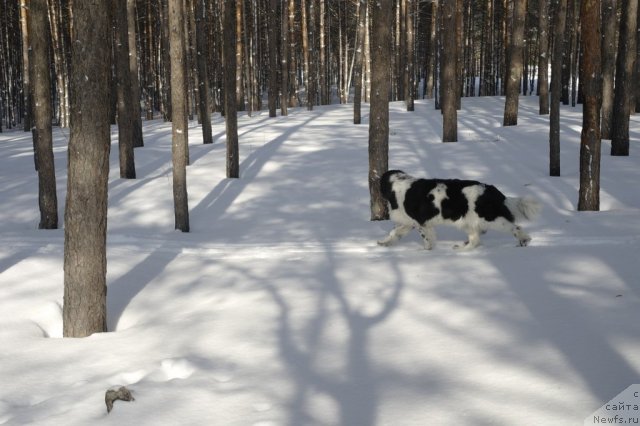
(624, 84)
(609, 26)
(179, 145)
(589, 193)
(357, 100)
(448, 85)
(125, 101)
(203, 70)
(85, 261)
(138, 140)
(543, 57)
(272, 25)
(559, 23)
(379, 113)
(514, 70)
(230, 105)
(39, 70)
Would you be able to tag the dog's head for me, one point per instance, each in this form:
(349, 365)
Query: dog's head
(386, 185)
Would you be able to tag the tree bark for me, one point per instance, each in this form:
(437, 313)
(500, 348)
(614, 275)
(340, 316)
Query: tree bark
(514, 71)
(556, 89)
(624, 84)
(39, 71)
(203, 72)
(230, 104)
(448, 86)
(138, 139)
(379, 115)
(357, 100)
(125, 101)
(179, 145)
(609, 26)
(589, 192)
(85, 261)
(543, 57)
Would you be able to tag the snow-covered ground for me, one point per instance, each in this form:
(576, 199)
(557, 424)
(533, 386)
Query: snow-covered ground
(278, 308)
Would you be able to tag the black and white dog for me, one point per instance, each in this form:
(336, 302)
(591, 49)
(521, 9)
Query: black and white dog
(469, 205)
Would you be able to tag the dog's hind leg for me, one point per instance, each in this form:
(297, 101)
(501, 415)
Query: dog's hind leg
(396, 233)
(428, 234)
(473, 240)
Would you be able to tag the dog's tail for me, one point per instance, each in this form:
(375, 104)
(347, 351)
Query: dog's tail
(523, 208)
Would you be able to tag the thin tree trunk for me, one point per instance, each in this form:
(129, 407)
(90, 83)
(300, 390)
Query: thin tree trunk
(379, 115)
(448, 86)
(623, 84)
(138, 140)
(357, 100)
(556, 89)
(284, 42)
(589, 193)
(543, 57)
(39, 70)
(204, 108)
(514, 72)
(125, 101)
(272, 24)
(409, 72)
(230, 104)
(85, 262)
(179, 145)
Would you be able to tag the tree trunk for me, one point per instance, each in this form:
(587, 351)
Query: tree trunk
(448, 86)
(409, 71)
(609, 26)
(125, 100)
(543, 57)
(624, 84)
(379, 115)
(230, 104)
(589, 193)
(556, 89)
(85, 261)
(39, 70)
(357, 100)
(514, 72)
(26, 88)
(179, 145)
(138, 140)
(272, 24)
(204, 109)
(284, 71)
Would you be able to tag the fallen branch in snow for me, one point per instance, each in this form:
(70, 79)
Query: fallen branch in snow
(123, 394)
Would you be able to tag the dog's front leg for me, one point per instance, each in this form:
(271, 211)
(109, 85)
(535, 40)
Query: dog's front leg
(396, 233)
(428, 234)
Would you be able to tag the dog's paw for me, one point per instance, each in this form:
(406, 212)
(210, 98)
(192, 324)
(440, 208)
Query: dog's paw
(524, 242)
(384, 243)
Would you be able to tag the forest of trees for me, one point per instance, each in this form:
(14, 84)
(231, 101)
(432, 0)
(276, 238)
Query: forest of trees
(85, 64)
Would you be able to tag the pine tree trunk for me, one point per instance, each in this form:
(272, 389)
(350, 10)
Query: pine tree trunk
(514, 74)
(284, 71)
(379, 115)
(556, 89)
(179, 145)
(85, 261)
(272, 24)
(624, 84)
(409, 71)
(448, 86)
(609, 26)
(589, 193)
(125, 100)
(138, 140)
(202, 32)
(543, 57)
(230, 101)
(357, 100)
(39, 70)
